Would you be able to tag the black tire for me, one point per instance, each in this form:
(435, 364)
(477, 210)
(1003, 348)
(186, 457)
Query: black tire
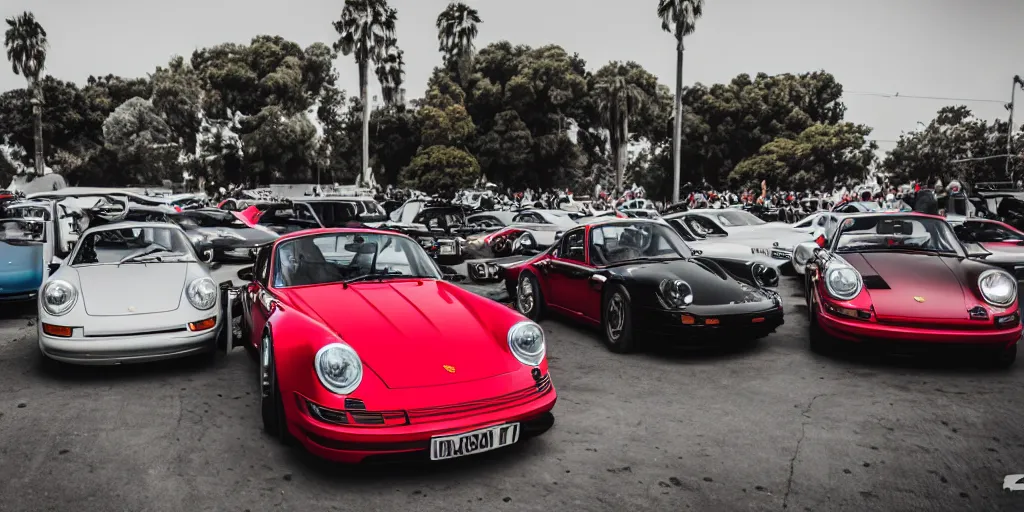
(529, 288)
(271, 403)
(821, 342)
(1002, 359)
(617, 320)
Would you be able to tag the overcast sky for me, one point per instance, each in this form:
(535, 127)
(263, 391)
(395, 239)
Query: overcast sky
(938, 48)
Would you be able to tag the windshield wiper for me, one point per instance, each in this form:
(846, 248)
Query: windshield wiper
(147, 252)
(377, 277)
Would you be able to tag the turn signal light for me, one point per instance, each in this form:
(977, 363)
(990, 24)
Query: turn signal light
(757, 320)
(711, 321)
(57, 330)
(820, 241)
(203, 325)
(688, 320)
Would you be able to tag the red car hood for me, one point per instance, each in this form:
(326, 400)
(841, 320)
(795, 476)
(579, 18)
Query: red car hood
(407, 332)
(907, 276)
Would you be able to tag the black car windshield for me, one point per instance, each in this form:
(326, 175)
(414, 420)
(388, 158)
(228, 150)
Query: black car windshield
(212, 219)
(619, 242)
(986, 232)
(349, 257)
(896, 233)
(133, 245)
(22, 230)
(732, 218)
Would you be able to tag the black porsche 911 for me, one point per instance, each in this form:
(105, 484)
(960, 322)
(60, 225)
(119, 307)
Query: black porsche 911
(638, 280)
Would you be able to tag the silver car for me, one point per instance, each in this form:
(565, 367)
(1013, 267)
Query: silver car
(129, 292)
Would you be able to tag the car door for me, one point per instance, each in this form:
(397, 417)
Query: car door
(256, 298)
(569, 273)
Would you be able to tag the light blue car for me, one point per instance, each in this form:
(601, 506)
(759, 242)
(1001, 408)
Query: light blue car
(22, 261)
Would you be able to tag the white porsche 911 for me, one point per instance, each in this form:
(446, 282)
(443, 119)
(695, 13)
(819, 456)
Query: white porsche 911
(130, 292)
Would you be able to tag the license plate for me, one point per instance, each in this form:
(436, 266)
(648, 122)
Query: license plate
(447, 249)
(477, 441)
(756, 250)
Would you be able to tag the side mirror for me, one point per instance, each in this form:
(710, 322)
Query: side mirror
(204, 249)
(245, 274)
(975, 250)
(803, 253)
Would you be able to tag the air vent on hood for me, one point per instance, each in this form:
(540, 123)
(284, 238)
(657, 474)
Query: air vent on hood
(875, 283)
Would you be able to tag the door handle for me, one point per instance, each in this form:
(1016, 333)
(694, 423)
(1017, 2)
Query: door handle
(597, 281)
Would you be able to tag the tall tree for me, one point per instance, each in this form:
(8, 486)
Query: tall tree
(364, 29)
(26, 43)
(618, 98)
(390, 73)
(456, 31)
(679, 17)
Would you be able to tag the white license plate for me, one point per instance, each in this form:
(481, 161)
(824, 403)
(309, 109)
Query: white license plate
(757, 250)
(447, 249)
(477, 441)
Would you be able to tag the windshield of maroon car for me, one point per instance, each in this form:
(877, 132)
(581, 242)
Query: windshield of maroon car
(734, 218)
(616, 243)
(340, 257)
(893, 233)
(151, 244)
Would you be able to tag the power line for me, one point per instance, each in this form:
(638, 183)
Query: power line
(911, 96)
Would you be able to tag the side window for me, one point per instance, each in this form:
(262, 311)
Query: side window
(261, 270)
(822, 220)
(572, 247)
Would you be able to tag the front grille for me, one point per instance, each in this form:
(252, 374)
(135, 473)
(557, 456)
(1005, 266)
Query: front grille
(446, 412)
(137, 333)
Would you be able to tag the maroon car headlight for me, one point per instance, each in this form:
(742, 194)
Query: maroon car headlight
(843, 281)
(526, 341)
(997, 287)
(339, 368)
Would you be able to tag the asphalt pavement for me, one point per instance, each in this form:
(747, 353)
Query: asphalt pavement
(769, 427)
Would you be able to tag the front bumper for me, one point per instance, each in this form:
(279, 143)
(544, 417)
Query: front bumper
(711, 325)
(140, 348)
(859, 331)
(409, 437)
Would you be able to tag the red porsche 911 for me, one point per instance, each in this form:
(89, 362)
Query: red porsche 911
(366, 351)
(905, 281)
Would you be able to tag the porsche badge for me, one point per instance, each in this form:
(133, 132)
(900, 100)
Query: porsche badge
(919, 299)
(131, 309)
(449, 368)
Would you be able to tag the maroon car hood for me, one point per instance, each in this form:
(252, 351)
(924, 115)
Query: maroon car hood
(908, 275)
(409, 331)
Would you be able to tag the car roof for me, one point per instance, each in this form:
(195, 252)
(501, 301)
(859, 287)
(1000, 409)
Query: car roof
(131, 224)
(347, 199)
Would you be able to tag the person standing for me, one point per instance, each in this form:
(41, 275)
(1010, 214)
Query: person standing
(927, 200)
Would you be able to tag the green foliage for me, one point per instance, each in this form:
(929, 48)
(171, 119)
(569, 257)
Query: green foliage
(279, 147)
(456, 31)
(954, 134)
(142, 142)
(441, 170)
(178, 96)
(396, 138)
(822, 157)
(26, 44)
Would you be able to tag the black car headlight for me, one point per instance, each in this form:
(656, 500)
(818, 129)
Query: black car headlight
(764, 275)
(675, 293)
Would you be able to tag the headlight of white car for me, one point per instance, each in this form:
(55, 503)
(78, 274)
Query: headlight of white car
(843, 282)
(526, 340)
(339, 368)
(997, 287)
(59, 297)
(202, 293)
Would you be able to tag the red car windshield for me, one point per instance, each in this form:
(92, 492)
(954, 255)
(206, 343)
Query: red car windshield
(896, 233)
(349, 257)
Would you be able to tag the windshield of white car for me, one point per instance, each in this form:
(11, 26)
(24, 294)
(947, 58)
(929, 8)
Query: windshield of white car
(211, 219)
(620, 242)
(22, 230)
(348, 258)
(732, 218)
(133, 245)
(885, 233)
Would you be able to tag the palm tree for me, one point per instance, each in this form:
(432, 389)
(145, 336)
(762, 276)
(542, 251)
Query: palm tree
(365, 29)
(26, 45)
(390, 72)
(456, 30)
(679, 18)
(617, 99)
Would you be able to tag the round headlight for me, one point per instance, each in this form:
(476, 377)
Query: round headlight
(202, 293)
(526, 340)
(997, 287)
(339, 368)
(843, 282)
(765, 275)
(59, 297)
(676, 293)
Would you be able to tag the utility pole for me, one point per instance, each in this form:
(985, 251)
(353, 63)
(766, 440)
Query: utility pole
(1017, 82)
